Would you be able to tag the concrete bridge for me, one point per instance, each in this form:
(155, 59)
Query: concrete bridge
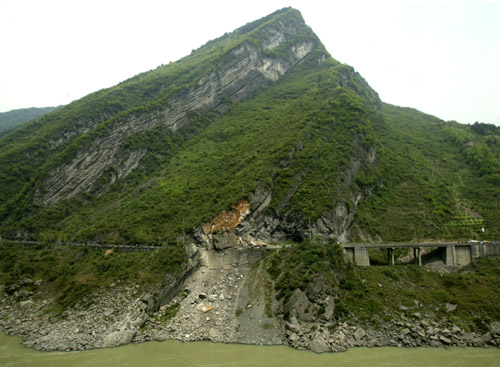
(454, 254)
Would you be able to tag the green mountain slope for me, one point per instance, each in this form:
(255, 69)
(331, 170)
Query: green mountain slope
(13, 118)
(262, 115)
(432, 187)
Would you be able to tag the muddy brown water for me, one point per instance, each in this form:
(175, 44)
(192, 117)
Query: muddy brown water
(206, 354)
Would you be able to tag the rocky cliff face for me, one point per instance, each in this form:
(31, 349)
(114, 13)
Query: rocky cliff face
(244, 69)
(257, 226)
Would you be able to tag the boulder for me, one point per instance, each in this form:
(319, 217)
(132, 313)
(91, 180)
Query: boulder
(118, 338)
(450, 307)
(295, 328)
(26, 304)
(150, 303)
(25, 282)
(495, 327)
(486, 338)
(319, 344)
(329, 309)
(444, 340)
(225, 240)
(139, 321)
(299, 306)
(319, 286)
(341, 338)
(359, 334)
(205, 307)
(403, 333)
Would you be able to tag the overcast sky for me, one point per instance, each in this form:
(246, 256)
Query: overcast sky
(441, 57)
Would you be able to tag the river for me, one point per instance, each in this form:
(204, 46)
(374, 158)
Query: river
(198, 354)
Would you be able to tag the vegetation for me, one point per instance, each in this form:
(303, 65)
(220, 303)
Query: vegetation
(169, 313)
(297, 266)
(429, 188)
(71, 273)
(379, 294)
(318, 137)
(14, 118)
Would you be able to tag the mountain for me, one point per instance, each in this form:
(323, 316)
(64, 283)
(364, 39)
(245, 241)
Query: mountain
(259, 135)
(15, 117)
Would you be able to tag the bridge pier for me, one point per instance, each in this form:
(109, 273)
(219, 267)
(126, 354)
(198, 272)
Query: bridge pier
(454, 254)
(349, 254)
(357, 255)
(450, 256)
(417, 255)
(463, 254)
(361, 257)
(478, 250)
(390, 255)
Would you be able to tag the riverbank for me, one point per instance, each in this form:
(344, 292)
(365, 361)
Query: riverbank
(227, 299)
(303, 296)
(79, 329)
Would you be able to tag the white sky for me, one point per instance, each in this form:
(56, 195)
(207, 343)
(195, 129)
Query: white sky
(441, 57)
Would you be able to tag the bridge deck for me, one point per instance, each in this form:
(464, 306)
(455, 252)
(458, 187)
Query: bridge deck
(404, 245)
(454, 254)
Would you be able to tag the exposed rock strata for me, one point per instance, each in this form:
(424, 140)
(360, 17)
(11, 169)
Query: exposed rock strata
(242, 71)
(259, 225)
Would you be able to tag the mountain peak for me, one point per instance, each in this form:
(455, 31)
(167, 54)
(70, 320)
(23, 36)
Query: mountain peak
(272, 35)
(262, 115)
(287, 13)
(227, 70)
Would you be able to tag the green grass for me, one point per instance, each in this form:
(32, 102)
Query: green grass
(267, 325)
(310, 138)
(71, 273)
(296, 266)
(429, 187)
(169, 313)
(225, 162)
(377, 293)
(383, 293)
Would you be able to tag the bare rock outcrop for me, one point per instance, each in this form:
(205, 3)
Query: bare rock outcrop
(239, 73)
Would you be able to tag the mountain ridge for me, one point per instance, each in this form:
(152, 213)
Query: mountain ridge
(123, 164)
(258, 138)
(13, 118)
